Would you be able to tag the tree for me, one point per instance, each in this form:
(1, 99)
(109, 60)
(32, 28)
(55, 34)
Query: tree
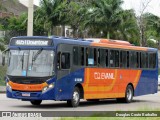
(128, 28)
(4, 22)
(141, 22)
(38, 26)
(152, 27)
(76, 13)
(104, 15)
(51, 12)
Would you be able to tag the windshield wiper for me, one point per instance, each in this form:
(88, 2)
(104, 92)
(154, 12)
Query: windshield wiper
(22, 59)
(37, 54)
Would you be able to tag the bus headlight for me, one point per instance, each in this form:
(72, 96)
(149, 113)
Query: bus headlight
(8, 87)
(51, 85)
(48, 87)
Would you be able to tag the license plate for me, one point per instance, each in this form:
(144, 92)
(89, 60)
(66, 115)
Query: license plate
(26, 94)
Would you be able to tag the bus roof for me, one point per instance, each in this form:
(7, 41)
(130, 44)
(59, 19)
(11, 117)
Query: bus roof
(99, 42)
(118, 44)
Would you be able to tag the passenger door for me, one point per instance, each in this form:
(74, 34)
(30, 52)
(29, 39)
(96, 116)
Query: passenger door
(63, 72)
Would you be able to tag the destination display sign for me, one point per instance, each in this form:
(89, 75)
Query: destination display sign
(31, 42)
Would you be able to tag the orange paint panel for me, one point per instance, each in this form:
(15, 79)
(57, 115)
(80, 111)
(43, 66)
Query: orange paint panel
(27, 87)
(100, 83)
(104, 95)
(119, 46)
(115, 42)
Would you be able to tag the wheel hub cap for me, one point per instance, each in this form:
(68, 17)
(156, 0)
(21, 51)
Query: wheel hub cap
(129, 94)
(75, 97)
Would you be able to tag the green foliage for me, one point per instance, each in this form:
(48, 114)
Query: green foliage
(87, 18)
(3, 70)
(151, 27)
(105, 15)
(151, 44)
(4, 23)
(110, 118)
(2, 47)
(18, 23)
(102, 116)
(51, 13)
(76, 17)
(127, 29)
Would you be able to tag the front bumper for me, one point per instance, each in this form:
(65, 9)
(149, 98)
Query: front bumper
(47, 95)
(30, 91)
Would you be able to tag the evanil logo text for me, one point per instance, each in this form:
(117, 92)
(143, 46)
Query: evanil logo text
(98, 75)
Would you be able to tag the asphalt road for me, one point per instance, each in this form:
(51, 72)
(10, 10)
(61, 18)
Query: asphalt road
(139, 103)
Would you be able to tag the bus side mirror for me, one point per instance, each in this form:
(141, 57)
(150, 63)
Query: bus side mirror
(3, 60)
(4, 56)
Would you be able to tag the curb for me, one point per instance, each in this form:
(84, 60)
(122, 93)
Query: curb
(2, 89)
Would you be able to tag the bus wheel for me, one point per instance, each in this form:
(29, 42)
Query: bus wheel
(36, 102)
(128, 95)
(74, 102)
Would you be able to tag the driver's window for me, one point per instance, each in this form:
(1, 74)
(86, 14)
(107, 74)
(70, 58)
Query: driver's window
(65, 61)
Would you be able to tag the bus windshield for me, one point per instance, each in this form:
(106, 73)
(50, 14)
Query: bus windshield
(30, 63)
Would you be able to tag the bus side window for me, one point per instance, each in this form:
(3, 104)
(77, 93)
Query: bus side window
(82, 56)
(90, 57)
(95, 57)
(65, 61)
(106, 53)
(111, 58)
(128, 59)
(144, 60)
(114, 58)
(102, 55)
(133, 59)
(123, 59)
(75, 55)
(86, 56)
(152, 60)
(138, 59)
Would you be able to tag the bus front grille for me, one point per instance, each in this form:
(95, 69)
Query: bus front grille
(28, 80)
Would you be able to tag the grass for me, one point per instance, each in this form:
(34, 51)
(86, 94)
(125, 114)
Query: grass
(2, 83)
(103, 116)
(3, 70)
(111, 118)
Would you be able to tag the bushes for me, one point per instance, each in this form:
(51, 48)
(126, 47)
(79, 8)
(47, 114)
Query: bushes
(3, 70)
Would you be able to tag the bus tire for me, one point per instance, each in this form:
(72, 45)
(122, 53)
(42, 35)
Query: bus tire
(74, 102)
(36, 102)
(128, 95)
